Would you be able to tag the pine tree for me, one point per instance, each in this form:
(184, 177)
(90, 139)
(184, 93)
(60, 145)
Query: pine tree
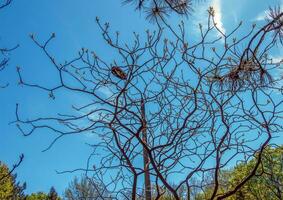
(52, 195)
(9, 187)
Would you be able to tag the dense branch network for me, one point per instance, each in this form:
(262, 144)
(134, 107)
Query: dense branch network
(208, 105)
(156, 9)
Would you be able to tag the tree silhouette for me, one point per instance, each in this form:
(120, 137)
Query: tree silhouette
(203, 105)
(52, 195)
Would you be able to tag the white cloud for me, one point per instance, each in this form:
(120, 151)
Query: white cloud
(216, 4)
(279, 71)
(262, 16)
(105, 91)
(277, 60)
(201, 15)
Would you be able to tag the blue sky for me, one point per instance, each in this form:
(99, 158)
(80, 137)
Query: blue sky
(75, 27)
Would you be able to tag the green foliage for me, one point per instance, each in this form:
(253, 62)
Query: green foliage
(6, 185)
(37, 196)
(52, 195)
(12, 190)
(9, 188)
(266, 184)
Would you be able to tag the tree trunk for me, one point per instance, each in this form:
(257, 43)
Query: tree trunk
(145, 156)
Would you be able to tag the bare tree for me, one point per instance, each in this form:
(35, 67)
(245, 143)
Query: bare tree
(86, 188)
(203, 105)
(4, 59)
(155, 9)
(4, 52)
